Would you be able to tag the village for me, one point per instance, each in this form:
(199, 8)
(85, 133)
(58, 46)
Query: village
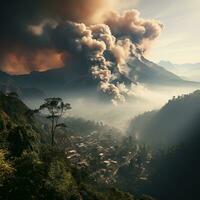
(102, 156)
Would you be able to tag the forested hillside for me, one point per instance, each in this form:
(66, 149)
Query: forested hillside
(94, 161)
(171, 125)
(81, 166)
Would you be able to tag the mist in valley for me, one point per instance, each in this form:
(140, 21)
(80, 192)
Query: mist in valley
(90, 105)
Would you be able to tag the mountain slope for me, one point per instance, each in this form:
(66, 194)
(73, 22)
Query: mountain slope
(12, 108)
(8, 83)
(171, 124)
(66, 79)
(151, 73)
(182, 165)
(44, 172)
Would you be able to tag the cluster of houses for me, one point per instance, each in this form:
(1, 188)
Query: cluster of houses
(92, 152)
(98, 153)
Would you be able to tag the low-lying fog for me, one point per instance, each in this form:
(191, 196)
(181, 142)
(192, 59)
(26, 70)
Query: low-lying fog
(89, 106)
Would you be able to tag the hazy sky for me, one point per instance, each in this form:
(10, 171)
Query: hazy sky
(180, 40)
(28, 43)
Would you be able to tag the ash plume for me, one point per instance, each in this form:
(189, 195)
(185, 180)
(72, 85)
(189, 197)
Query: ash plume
(105, 56)
(129, 24)
(80, 34)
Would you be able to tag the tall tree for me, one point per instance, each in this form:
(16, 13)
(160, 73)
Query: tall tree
(54, 108)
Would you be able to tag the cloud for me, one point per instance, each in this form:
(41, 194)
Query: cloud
(87, 11)
(129, 24)
(104, 56)
(28, 28)
(26, 61)
(25, 25)
(85, 34)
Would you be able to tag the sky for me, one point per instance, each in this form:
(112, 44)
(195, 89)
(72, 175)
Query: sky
(45, 34)
(180, 38)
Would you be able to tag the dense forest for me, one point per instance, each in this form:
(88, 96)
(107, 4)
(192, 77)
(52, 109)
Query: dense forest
(30, 168)
(93, 161)
(171, 125)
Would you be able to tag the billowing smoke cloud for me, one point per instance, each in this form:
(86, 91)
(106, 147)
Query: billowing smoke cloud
(130, 25)
(87, 11)
(20, 19)
(56, 33)
(104, 55)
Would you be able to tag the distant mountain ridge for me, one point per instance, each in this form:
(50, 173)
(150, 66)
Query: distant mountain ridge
(188, 71)
(65, 79)
(168, 64)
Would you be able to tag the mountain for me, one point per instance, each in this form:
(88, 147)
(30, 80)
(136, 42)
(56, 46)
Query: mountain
(13, 109)
(151, 73)
(167, 64)
(171, 124)
(170, 65)
(188, 71)
(148, 72)
(66, 79)
(8, 83)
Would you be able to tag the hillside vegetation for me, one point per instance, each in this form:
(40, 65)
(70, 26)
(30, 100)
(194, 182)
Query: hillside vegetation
(31, 169)
(94, 161)
(171, 125)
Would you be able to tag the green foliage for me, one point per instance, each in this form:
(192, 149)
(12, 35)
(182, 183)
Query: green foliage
(22, 138)
(170, 125)
(32, 169)
(60, 181)
(28, 178)
(54, 108)
(14, 108)
(6, 168)
(131, 176)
